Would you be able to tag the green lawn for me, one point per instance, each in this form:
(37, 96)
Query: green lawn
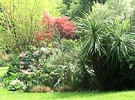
(129, 95)
(7, 95)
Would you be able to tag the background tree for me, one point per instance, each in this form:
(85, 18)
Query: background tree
(76, 8)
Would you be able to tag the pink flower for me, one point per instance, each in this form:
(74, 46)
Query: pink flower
(21, 62)
(22, 54)
(36, 52)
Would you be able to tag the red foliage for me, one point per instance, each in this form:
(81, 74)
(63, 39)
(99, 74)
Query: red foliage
(61, 26)
(47, 37)
(65, 27)
(47, 20)
(48, 34)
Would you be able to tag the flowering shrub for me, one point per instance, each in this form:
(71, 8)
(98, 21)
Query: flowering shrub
(49, 66)
(12, 83)
(29, 61)
(16, 85)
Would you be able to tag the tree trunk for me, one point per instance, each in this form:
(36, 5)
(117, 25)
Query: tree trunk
(101, 73)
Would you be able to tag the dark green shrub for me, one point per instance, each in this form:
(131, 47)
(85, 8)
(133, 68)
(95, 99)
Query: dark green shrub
(14, 60)
(29, 79)
(124, 77)
(12, 83)
(76, 8)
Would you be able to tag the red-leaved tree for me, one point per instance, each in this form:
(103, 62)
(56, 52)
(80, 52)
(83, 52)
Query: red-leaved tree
(65, 27)
(60, 27)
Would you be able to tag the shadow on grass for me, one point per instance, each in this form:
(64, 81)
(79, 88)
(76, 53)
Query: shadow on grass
(119, 95)
(68, 95)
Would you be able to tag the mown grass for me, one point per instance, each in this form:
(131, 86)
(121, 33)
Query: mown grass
(127, 95)
(8, 95)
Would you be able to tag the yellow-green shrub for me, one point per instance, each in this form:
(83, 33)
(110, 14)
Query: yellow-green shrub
(20, 19)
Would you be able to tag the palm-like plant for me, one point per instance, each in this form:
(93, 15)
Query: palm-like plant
(107, 42)
(122, 41)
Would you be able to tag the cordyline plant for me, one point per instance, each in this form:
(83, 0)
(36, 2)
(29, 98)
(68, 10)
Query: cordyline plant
(60, 27)
(108, 43)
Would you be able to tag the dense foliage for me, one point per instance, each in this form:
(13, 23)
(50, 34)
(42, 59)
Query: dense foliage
(109, 45)
(76, 8)
(52, 63)
(48, 51)
(19, 20)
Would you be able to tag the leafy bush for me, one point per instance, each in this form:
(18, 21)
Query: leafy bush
(8, 78)
(29, 79)
(14, 60)
(16, 85)
(61, 69)
(76, 8)
(30, 60)
(45, 66)
(11, 82)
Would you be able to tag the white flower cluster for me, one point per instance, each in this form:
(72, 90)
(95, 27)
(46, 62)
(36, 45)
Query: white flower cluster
(16, 85)
(16, 82)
